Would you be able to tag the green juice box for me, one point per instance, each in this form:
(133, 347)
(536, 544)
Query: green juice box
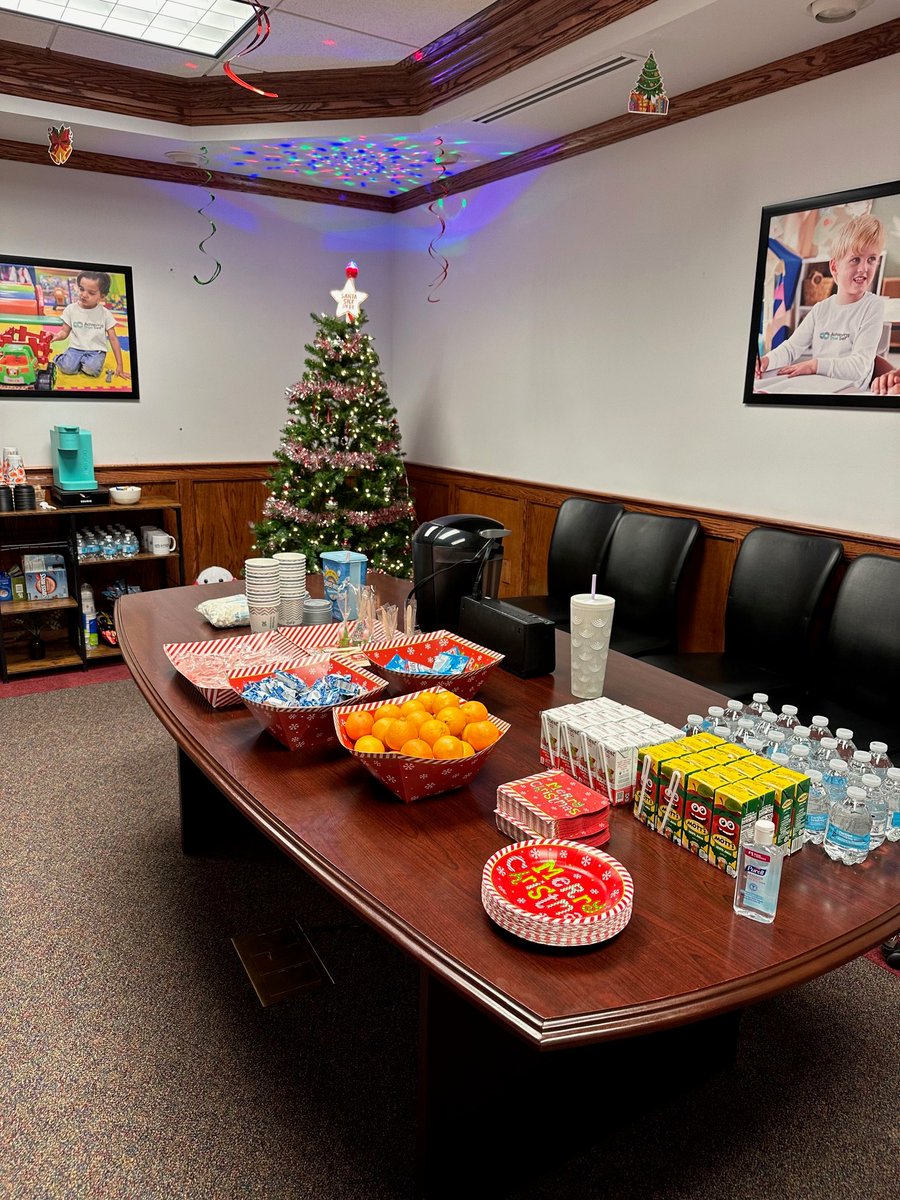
(699, 802)
(701, 741)
(732, 752)
(674, 778)
(798, 813)
(756, 762)
(649, 761)
(735, 809)
(784, 790)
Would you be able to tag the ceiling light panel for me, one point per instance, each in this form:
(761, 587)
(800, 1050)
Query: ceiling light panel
(204, 26)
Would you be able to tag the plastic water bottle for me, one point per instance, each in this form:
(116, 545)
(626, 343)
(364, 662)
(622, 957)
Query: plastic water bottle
(787, 718)
(877, 807)
(774, 743)
(765, 723)
(714, 716)
(846, 747)
(818, 806)
(759, 874)
(823, 752)
(779, 758)
(835, 779)
(860, 765)
(758, 705)
(694, 724)
(734, 710)
(880, 760)
(818, 729)
(848, 832)
(890, 790)
(798, 758)
(746, 728)
(798, 736)
(755, 746)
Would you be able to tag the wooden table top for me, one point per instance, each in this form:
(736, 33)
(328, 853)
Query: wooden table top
(414, 870)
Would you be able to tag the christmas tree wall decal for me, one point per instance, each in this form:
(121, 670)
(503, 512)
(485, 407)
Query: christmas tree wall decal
(649, 93)
(340, 479)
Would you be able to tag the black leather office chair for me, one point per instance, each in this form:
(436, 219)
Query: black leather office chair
(644, 566)
(776, 587)
(856, 673)
(578, 548)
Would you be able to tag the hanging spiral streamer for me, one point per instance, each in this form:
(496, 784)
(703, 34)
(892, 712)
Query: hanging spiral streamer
(263, 28)
(217, 270)
(443, 189)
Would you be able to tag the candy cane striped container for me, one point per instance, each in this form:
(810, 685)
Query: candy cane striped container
(208, 665)
(423, 648)
(557, 893)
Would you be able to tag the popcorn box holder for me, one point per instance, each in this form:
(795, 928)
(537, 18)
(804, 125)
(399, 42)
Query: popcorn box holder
(305, 728)
(415, 778)
(423, 648)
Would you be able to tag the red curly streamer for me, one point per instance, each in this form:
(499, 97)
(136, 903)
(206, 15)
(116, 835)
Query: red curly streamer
(443, 189)
(263, 28)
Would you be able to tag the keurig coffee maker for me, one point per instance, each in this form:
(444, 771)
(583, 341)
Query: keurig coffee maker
(453, 557)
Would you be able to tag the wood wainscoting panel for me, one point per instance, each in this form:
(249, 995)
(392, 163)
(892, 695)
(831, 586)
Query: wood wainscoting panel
(430, 499)
(539, 522)
(223, 513)
(511, 514)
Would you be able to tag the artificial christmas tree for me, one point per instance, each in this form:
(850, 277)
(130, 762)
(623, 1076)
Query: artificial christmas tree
(340, 479)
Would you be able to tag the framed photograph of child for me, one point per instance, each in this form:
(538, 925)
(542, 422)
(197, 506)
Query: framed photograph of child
(826, 303)
(66, 330)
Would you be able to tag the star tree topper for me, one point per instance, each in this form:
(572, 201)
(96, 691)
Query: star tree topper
(349, 300)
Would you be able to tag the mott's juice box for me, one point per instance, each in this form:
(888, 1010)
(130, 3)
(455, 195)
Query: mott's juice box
(757, 763)
(701, 741)
(798, 812)
(766, 794)
(735, 810)
(699, 802)
(731, 773)
(674, 777)
(732, 752)
(783, 789)
(649, 761)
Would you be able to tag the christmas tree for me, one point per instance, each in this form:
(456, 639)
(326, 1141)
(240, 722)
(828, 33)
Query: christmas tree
(648, 94)
(340, 481)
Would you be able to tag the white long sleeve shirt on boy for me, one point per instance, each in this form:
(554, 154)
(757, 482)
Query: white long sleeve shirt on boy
(842, 337)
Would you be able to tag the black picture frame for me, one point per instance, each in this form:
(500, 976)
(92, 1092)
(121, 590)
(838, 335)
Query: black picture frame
(793, 273)
(34, 292)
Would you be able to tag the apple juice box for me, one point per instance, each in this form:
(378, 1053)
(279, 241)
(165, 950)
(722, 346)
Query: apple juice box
(784, 789)
(699, 803)
(674, 778)
(732, 751)
(649, 760)
(795, 819)
(702, 741)
(735, 809)
(760, 765)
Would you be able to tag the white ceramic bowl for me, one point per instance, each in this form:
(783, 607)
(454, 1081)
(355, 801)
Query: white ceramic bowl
(124, 495)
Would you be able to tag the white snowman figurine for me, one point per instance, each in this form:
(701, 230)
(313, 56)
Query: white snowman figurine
(215, 575)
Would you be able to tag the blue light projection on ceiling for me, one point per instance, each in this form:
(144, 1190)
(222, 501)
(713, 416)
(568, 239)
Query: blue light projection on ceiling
(389, 167)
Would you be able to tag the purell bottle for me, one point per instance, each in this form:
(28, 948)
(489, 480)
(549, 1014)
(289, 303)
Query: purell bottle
(848, 834)
(876, 805)
(890, 790)
(759, 874)
(787, 718)
(880, 760)
(818, 806)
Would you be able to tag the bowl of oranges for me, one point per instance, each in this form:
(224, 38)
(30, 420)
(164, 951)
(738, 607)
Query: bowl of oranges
(422, 649)
(419, 745)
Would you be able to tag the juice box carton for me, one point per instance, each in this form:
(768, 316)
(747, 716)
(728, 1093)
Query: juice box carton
(699, 802)
(766, 794)
(784, 790)
(733, 751)
(674, 778)
(730, 773)
(703, 741)
(760, 764)
(649, 759)
(735, 809)
(610, 764)
(798, 813)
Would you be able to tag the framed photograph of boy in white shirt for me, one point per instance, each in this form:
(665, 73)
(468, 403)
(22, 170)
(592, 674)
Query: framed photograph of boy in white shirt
(826, 303)
(67, 329)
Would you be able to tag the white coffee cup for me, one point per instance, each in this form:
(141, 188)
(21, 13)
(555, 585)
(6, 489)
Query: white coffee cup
(161, 542)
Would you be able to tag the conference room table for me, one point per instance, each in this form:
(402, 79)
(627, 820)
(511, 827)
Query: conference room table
(685, 963)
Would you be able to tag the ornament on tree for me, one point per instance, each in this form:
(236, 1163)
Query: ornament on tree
(649, 93)
(349, 300)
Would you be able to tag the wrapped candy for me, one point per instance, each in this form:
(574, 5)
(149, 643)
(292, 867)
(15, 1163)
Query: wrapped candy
(283, 690)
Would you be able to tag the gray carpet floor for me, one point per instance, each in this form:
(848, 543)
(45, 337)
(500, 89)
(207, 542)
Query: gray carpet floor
(137, 1062)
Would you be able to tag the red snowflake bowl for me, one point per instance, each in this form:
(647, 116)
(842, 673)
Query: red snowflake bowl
(423, 648)
(415, 778)
(305, 728)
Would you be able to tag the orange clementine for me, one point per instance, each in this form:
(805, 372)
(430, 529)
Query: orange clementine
(453, 718)
(418, 716)
(357, 724)
(481, 734)
(432, 729)
(468, 750)
(387, 710)
(413, 705)
(473, 710)
(398, 732)
(445, 700)
(416, 748)
(369, 745)
(448, 747)
(380, 728)
(427, 699)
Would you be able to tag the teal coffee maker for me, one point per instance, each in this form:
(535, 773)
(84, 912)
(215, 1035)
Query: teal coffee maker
(74, 484)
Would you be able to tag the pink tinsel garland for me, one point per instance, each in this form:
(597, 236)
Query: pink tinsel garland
(366, 520)
(342, 459)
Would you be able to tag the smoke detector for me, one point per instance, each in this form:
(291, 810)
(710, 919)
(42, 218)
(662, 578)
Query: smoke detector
(832, 12)
(185, 158)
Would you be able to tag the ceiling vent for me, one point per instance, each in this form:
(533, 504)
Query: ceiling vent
(607, 67)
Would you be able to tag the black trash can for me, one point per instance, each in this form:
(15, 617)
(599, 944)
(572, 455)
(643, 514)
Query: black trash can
(452, 559)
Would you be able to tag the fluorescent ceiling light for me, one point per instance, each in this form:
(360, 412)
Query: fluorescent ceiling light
(207, 26)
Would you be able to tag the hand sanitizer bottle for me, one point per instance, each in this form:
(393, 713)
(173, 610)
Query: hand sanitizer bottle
(759, 874)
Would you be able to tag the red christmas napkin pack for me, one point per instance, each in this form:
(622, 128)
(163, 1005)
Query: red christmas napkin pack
(552, 804)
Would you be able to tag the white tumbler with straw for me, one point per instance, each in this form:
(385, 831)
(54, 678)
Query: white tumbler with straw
(591, 618)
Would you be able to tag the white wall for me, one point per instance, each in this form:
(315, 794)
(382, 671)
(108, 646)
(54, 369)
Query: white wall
(214, 361)
(593, 329)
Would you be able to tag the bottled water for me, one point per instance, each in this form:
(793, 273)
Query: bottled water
(823, 752)
(759, 704)
(746, 727)
(774, 744)
(880, 760)
(877, 807)
(848, 831)
(714, 716)
(890, 789)
(734, 710)
(694, 724)
(860, 765)
(835, 779)
(765, 724)
(818, 806)
(787, 718)
(798, 758)
(818, 729)
(779, 758)
(845, 744)
(798, 736)
(754, 745)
